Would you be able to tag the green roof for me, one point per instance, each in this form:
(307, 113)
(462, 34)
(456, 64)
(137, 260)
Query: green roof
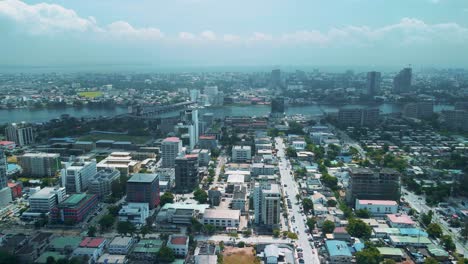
(43, 257)
(63, 241)
(437, 251)
(75, 199)
(389, 251)
(148, 246)
(410, 240)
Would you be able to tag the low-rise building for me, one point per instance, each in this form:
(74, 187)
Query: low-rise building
(339, 252)
(400, 221)
(377, 207)
(121, 161)
(221, 217)
(112, 259)
(91, 248)
(241, 153)
(179, 213)
(135, 213)
(121, 245)
(46, 199)
(74, 209)
(403, 241)
(146, 249)
(179, 244)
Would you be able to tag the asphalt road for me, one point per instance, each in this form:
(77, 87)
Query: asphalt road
(287, 179)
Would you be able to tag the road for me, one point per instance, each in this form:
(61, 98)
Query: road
(349, 141)
(310, 253)
(419, 204)
(250, 239)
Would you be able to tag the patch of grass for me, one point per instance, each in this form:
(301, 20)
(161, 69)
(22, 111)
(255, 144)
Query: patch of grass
(133, 139)
(90, 95)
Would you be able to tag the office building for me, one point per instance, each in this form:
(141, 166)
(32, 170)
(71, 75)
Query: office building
(22, 134)
(241, 153)
(3, 170)
(101, 183)
(213, 97)
(186, 173)
(76, 175)
(74, 209)
(39, 164)
(47, 198)
(402, 81)
(170, 148)
(194, 95)
(358, 116)
(188, 130)
(456, 119)
(135, 213)
(278, 105)
(239, 198)
(275, 79)
(267, 199)
(204, 156)
(367, 184)
(420, 110)
(207, 142)
(373, 83)
(143, 188)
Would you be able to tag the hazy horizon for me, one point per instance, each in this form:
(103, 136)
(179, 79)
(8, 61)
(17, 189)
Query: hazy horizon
(371, 34)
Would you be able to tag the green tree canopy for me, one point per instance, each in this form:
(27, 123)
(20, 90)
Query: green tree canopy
(167, 197)
(357, 228)
(368, 256)
(166, 255)
(328, 226)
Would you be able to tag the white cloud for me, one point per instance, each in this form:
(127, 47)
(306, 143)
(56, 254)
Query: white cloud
(46, 19)
(208, 35)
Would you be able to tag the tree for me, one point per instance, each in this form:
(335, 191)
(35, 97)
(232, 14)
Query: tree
(328, 226)
(7, 258)
(241, 244)
(166, 255)
(114, 210)
(357, 228)
(167, 197)
(430, 260)
(210, 229)
(426, 219)
(311, 222)
(363, 213)
(50, 260)
(196, 226)
(247, 232)
(200, 196)
(308, 205)
(106, 222)
(331, 203)
(447, 241)
(145, 230)
(464, 231)
(92, 231)
(434, 230)
(276, 232)
(126, 227)
(368, 256)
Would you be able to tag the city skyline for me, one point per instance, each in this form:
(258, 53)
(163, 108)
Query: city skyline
(181, 33)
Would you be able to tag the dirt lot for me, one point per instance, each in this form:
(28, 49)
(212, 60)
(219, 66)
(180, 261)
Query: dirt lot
(233, 255)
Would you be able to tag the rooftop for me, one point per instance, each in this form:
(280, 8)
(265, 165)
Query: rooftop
(171, 139)
(390, 251)
(112, 259)
(400, 219)
(338, 248)
(222, 214)
(377, 202)
(92, 242)
(63, 241)
(178, 240)
(143, 178)
(121, 241)
(44, 193)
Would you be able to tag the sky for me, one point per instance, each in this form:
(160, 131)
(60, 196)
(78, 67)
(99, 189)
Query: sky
(371, 33)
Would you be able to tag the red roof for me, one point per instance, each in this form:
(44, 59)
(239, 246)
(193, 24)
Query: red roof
(179, 240)
(172, 139)
(191, 155)
(92, 242)
(4, 143)
(207, 137)
(340, 230)
(377, 202)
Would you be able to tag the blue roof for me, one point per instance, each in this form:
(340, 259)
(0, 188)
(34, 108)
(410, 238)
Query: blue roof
(12, 167)
(412, 232)
(338, 248)
(359, 246)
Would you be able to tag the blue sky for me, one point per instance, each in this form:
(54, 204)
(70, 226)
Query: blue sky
(238, 32)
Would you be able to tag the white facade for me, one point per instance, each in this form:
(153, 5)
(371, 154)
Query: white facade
(170, 149)
(22, 134)
(221, 217)
(76, 176)
(241, 153)
(5, 196)
(179, 244)
(121, 245)
(46, 199)
(299, 144)
(377, 207)
(262, 169)
(135, 213)
(267, 199)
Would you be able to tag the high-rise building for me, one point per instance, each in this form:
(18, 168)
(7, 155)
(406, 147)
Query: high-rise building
(22, 134)
(213, 97)
(402, 81)
(186, 173)
(368, 184)
(101, 183)
(456, 119)
(46, 199)
(373, 83)
(194, 95)
(39, 164)
(3, 170)
(74, 209)
(420, 110)
(358, 116)
(188, 130)
(267, 208)
(275, 79)
(277, 105)
(77, 175)
(143, 188)
(171, 147)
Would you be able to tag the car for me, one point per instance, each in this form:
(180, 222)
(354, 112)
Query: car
(301, 261)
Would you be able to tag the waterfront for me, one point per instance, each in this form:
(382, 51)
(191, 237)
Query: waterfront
(44, 115)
